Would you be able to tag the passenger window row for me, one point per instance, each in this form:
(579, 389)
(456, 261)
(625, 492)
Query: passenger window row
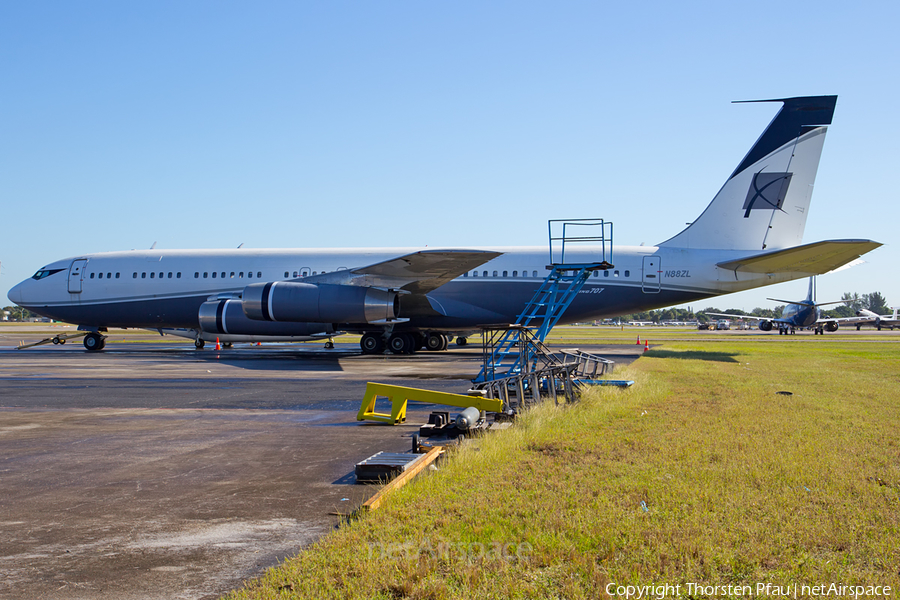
(303, 273)
(154, 275)
(226, 275)
(497, 274)
(177, 275)
(515, 274)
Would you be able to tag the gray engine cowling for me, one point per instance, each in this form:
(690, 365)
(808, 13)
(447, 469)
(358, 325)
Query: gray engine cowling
(293, 301)
(227, 317)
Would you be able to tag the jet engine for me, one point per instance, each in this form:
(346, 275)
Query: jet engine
(293, 301)
(223, 317)
(831, 326)
(765, 325)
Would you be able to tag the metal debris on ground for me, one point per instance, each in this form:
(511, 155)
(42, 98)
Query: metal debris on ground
(384, 466)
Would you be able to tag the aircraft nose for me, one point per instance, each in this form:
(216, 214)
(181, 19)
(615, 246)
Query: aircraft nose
(17, 294)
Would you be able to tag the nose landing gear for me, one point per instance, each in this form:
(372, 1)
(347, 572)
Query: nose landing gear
(94, 342)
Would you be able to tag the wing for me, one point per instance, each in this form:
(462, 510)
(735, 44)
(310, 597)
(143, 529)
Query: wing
(806, 260)
(728, 316)
(845, 320)
(417, 273)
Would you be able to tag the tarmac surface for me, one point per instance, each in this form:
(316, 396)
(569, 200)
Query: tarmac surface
(153, 470)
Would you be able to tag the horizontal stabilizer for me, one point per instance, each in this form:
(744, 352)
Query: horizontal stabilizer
(808, 259)
(806, 302)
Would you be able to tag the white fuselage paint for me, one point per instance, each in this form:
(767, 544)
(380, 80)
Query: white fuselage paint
(123, 278)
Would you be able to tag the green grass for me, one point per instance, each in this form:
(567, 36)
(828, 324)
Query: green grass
(699, 473)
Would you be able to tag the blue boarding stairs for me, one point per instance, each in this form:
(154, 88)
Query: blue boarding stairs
(518, 348)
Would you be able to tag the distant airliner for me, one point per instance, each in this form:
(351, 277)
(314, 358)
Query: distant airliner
(867, 317)
(797, 314)
(405, 299)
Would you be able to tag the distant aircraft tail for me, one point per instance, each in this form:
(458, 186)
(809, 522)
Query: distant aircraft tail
(765, 202)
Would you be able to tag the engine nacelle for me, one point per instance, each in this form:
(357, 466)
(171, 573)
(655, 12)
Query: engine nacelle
(293, 301)
(831, 326)
(227, 317)
(765, 325)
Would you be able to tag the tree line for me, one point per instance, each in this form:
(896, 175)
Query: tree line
(17, 313)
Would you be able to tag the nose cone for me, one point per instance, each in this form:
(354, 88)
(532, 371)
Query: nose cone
(17, 294)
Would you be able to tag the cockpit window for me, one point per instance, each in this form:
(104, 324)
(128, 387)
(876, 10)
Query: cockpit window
(45, 273)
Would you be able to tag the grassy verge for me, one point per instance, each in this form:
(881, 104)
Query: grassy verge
(700, 473)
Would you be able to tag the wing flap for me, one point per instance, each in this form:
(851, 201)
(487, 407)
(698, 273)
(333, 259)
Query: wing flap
(809, 259)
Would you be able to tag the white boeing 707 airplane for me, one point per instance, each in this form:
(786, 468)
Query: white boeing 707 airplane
(403, 299)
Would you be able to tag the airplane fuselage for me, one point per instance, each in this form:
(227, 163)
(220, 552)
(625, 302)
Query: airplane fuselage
(799, 315)
(165, 288)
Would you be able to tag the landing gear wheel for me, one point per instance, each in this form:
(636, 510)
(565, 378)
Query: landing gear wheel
(55, 341)
(445, 341)
(461, 341)
(329, 345)
(401, 343)
(434, 342)
(94, 342)
(199, 343)
(371, 343)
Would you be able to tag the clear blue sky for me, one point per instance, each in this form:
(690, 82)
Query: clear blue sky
(299, 124)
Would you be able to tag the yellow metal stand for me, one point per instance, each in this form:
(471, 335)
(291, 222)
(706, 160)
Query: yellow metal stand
(400, 396)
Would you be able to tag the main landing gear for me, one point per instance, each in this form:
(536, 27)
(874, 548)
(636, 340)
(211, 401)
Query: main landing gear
(397, 343)
(372, 343)
(94, 342)
(405, 342)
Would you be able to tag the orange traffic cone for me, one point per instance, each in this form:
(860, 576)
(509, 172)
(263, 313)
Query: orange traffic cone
(638, 343)
(646, 345)
(218, 347)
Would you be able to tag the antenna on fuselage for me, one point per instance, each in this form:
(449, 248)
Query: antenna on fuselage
(241, 245)
(153, 246)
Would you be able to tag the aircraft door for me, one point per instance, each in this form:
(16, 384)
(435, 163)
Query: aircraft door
(651, 274)
(75, 274)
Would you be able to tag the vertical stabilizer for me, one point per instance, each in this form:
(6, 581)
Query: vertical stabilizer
(765, 202)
